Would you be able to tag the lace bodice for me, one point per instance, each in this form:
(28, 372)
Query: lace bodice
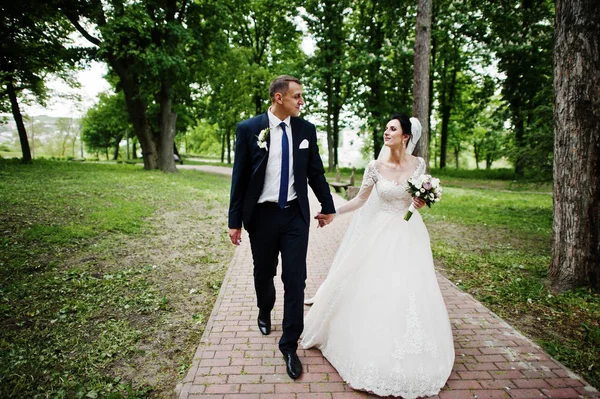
(390, 186)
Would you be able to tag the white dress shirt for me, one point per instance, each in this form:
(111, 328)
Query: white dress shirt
(270, 192)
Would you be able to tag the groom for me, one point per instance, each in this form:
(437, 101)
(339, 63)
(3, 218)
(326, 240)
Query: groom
(276, 155)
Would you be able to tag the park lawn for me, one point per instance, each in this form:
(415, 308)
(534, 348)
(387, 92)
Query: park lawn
(108, 274)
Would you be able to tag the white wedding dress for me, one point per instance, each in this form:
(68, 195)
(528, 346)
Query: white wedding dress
(379, 316)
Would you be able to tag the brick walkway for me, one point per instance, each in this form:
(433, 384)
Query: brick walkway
(234, 360)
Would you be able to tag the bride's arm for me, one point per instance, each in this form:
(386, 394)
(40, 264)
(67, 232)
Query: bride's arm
(366, 187)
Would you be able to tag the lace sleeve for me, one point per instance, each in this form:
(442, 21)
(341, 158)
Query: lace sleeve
(422, 168)
(369, 180)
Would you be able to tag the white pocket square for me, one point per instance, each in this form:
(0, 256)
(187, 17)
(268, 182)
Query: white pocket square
(303, 145)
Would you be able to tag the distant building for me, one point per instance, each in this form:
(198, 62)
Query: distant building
(349, 149)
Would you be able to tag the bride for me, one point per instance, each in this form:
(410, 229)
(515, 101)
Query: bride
(379, 316)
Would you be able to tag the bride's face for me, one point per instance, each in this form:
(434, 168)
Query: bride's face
(393, 136)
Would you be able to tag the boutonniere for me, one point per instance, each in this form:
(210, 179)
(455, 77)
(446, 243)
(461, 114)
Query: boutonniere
(262, 138)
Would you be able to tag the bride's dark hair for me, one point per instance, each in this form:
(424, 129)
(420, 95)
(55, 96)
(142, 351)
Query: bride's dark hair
(404, 122)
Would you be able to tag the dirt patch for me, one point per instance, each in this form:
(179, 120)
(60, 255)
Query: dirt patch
(479, 237)
(189, 253)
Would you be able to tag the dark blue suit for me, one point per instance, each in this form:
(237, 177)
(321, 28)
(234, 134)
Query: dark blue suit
(273, 230)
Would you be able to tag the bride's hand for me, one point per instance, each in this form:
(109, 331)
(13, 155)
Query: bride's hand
(418, 202)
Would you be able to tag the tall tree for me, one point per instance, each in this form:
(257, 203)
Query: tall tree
(576, 228)
(105, 124)
(268, 30)
(382, 44)
(461, 51)
(522, 39)
(33, 45)
(421, 79)
(153, 47)
(228, 101)
(327, 23)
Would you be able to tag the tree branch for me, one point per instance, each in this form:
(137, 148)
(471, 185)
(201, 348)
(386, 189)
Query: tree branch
(83, 32)
(182, 10)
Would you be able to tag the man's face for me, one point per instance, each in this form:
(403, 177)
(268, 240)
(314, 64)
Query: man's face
(292, 100)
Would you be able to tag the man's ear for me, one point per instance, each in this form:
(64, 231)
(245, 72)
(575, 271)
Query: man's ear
(278, 98)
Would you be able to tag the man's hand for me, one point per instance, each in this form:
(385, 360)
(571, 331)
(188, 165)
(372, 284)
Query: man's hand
(324, 218)
(418, 202)
(236, 236)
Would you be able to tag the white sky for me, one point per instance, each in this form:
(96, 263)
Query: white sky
(92, 83)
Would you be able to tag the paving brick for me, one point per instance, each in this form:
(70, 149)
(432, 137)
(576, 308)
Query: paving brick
(564, 382)
(464, 384)
(535, 383)
(222, 388)
(327, 387)
(526, 393)
(561, 393)
(257, 388)
(292, 388)
(235, 361)
(314, 395)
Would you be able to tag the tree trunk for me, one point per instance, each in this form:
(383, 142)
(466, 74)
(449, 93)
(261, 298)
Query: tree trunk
(576, 229)
(258, 104)
(116, 151)
(336, 131)
(167, 130)
(432, 77)
(330, 139)
(519, 140)
(223, 147)
(421, 76)
(14, 103)
(229, 145)
(448, 97)
(136, 108)
(176, 152)
(477, 152)
(456, 153)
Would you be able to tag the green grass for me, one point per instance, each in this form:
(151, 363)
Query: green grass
(81, 290)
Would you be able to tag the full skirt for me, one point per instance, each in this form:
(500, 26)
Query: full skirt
(379, 317)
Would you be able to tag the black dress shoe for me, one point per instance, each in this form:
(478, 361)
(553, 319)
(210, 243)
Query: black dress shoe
(264, 322)
(292, 365)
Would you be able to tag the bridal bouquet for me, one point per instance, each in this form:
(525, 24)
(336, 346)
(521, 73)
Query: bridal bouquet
(426, 187)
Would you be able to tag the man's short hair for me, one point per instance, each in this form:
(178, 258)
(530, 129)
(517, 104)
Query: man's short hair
(281, 84)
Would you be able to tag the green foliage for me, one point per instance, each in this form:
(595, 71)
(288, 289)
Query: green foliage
(72, 311)
(105, 124)
(329, 75)
(521, 36)
(203, 138)
(34, 44)
(271, 40)
(381, 50)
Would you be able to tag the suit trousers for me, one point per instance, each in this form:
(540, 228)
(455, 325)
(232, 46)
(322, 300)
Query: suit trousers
(274, 231)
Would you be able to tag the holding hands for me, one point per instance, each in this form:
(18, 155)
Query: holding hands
(324, 219)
